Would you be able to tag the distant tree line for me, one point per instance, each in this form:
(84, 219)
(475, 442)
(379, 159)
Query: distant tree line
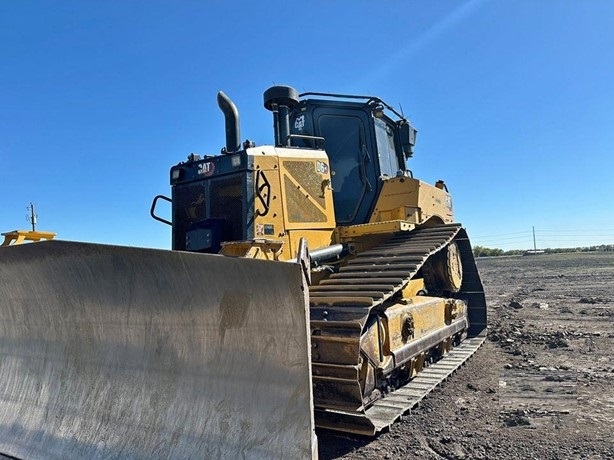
(481, 251)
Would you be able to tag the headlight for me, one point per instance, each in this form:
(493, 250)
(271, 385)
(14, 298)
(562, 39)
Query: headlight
(175, 174)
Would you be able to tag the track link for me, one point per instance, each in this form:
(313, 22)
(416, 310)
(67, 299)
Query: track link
(340, 307)
(387, 410)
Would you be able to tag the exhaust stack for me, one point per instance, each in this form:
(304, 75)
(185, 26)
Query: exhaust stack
(231, 117)
(280, 100)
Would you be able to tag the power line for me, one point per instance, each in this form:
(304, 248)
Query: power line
(547, 237)
(577, 235)
(500, 234)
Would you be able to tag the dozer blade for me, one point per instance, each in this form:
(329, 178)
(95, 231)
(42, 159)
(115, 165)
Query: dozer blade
(115, 352)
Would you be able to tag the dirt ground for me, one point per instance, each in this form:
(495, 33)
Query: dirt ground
(542, 385)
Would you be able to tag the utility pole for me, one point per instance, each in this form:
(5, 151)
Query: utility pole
(534, 245)
(31, 217)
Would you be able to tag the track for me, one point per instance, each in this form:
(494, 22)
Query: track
(340, 307)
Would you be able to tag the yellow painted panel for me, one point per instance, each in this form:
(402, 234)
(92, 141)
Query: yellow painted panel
(306, 173)
(419, 317)
(411, 200)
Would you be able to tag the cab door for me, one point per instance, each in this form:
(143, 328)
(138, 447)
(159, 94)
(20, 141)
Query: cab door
(349, 144)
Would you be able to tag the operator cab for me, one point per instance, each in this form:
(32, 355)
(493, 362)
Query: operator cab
(364, 146)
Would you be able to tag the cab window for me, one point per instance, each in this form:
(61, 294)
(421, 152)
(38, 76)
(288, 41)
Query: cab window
(344, 144)
(388, 159)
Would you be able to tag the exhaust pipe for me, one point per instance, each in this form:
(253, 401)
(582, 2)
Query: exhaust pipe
(231, 117)
(280, 100)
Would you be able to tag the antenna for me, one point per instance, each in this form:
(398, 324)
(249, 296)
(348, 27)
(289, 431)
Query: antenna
(31, 216)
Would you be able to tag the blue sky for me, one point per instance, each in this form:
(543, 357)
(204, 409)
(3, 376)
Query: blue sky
(513, 101)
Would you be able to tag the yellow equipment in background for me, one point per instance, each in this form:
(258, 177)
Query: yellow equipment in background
(21, 236)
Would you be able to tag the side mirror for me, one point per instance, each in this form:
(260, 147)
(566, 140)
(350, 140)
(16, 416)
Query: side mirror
(407, 134)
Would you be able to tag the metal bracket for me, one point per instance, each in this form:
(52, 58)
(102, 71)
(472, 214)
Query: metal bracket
(302, 257)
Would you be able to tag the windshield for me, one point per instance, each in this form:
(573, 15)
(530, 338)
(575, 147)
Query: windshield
(388, 159)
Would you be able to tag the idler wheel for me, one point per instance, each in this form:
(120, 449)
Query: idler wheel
(444, 270)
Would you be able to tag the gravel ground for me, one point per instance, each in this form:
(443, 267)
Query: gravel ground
(542, 385)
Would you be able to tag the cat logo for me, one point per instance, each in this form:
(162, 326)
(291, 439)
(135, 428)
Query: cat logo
(206, 169)
(299, 123)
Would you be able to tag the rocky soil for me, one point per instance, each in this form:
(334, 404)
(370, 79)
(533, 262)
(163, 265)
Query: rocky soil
(542, 385)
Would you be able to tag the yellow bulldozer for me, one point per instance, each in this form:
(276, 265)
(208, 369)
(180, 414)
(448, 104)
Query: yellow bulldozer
(312, 283)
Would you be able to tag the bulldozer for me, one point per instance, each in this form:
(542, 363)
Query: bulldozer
(311, 283)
